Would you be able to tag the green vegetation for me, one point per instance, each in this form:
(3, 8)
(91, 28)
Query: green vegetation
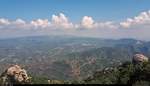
(127, 73)
(39, 80)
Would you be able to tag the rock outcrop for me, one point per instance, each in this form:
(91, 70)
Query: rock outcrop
(14, 75)
(138, 58)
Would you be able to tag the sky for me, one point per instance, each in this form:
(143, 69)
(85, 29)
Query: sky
(92, 18)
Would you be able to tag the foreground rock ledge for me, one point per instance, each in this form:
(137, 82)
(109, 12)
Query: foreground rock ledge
(14, 75)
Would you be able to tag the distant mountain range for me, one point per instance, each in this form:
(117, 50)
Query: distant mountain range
(55, 57)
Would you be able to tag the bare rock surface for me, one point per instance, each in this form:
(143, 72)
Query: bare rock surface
(15, 75)
(137, 58)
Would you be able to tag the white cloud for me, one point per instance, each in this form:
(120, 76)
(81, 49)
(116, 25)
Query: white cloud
(87, 22)
(57, 22)
(142, 19)
(61, 21)
(19, 22)
(40, 23)
(4, 21)
(60, 24)
(106, 25)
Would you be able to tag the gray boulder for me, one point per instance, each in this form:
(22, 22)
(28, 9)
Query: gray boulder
(139, 58)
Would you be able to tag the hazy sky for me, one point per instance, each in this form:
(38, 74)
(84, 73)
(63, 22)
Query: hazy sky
(93, 18)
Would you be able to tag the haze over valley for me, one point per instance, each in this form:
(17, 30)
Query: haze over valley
(74, 42)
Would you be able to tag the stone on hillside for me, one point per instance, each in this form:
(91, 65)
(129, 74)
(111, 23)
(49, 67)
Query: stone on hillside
(138, 58)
